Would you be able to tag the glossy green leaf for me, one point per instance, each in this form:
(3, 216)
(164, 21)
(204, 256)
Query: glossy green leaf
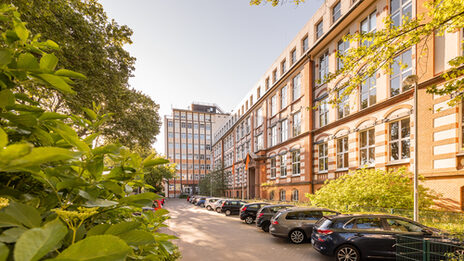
(141, 200)
(122, 227)
(110, 148)
(70, 74)
(26, 215)
(137, 237)
(20, 30)
(14, 151)
(100, 203)
(95, 166)
(25, 119)
(8, 221)
(48, 62)
(96, 248)
(70, 135)
(52, 116)
(5, 56)
(3, 138)
(12, 234)
(7, 98)
(37, 242)
(56, 82)
(98, 230)
(42, 155)
(4, 252)
(154, 162)
(28, 61)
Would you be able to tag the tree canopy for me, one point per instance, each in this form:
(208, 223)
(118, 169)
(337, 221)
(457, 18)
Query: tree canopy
(92, 44)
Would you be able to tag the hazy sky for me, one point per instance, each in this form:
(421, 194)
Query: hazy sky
(204, 50)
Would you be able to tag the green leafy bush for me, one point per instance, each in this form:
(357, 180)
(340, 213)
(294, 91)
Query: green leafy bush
(65, 194)
(370, 188)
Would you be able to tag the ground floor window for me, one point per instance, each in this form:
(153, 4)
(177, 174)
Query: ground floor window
(282, 195)
(237, 194)
(399, 140)
(271, 195)
(295, 195)
(462, 198)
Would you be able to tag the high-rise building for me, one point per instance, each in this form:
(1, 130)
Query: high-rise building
(188, 141)
(296, 147)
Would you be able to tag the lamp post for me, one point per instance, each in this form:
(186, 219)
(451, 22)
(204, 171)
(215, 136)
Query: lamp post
(412, 80)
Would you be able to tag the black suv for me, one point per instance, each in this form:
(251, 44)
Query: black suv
(264, 215)
(230, 207)
(356, 237)
(248, 212)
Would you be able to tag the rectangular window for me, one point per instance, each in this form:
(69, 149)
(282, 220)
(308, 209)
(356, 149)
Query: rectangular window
(401, 68)
(267, 83)
(283, 67)
(323, 68)
(170, 124)
(273, 168)
(259, 117)
(283, 97)
(293, 56)
(342, 153)
(368, 92)
(319, 29)
(304, 43)
(273, 105)
(399, 10)
(283, 130)
(344, 104)
(296, 87)
(260, 142)
(274, 135)
(342, 46)
(367, 147)
(274, 76)
(258, 92)
(323, 157)
(296, 162)
(368, 25)
(296, 124)
(283, 165)
(336, 12)
(399, 140)
(323, 112)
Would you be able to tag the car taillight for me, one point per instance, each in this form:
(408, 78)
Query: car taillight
(324, 231)
(243, 208)
(275, 222)
(223, 204)
(260, 215)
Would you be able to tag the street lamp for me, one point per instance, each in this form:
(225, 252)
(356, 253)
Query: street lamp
(411, 80)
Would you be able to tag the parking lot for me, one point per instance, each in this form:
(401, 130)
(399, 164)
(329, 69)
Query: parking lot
(207, 235)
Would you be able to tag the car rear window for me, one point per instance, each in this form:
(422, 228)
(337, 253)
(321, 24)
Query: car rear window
(323, 223)
(277, 215)
(365, 223)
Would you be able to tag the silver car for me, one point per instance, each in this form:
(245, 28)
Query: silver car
(210, 202)
(297, 224)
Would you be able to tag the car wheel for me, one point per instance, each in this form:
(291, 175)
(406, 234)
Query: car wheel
(202, 205)
(228, 213)
(265, 227)
(297, 236)
(249, 220)
(347, 253)
(208, 207)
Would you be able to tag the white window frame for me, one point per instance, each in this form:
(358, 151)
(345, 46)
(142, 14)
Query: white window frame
(273, 168)
(368, 148)
(296, 162)
(296, 82)
(401, 73)
(342, 148)
(323, 152)
(283, 165)
(400, 140)
(283, 130)
(296, 130)
(283, 97)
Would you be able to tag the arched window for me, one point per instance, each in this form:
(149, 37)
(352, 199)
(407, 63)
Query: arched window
(295, 195)
(271, 195)
(282, 195)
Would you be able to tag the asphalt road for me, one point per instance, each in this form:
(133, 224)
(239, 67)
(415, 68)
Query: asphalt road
(205, 235)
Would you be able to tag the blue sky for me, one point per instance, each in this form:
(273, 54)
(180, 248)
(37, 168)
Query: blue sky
(204, 50)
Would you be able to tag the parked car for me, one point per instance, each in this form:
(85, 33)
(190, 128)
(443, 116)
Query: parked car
(217, 205)
(356, 237)
(264, 215)
(201, 202)
(248, 211)
(297, 224)
(190, 200)
(231, 207)
(210, 203)
(157, 204)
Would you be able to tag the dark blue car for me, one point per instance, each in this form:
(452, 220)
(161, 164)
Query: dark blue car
(356, 237)
(201, 202)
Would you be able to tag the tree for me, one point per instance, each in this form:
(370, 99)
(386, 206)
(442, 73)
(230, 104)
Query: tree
(64, 196)
(370, 188)
(213, 183)
(158, 174)
(93, 45)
